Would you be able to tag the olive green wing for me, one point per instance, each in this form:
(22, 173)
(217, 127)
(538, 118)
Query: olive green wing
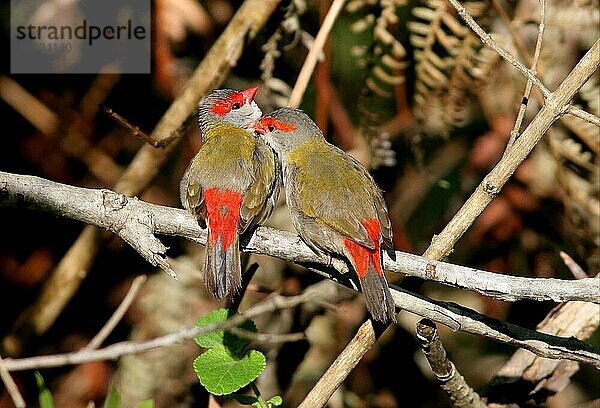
(337, 196)
(191, 195)
(378, 202)
(261, 196)
(384, 221)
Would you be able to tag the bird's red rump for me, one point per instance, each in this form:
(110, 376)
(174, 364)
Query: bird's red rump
(268, 124)
(361, 256)
(223, 213)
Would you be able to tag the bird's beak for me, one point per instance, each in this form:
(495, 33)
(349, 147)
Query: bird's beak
(258, 128)
(249, 94)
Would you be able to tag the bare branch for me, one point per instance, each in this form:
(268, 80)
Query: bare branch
(134, 130)
(567, 120)
(137, 221)
(341, 367)
(514, 134)
(581, 114)
(573, 266)
(451, 381)
(119, 213)
(530, 74)
(452, 315)
(458, 317)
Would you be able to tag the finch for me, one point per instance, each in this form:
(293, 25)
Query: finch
(333, 202)
(230, 185)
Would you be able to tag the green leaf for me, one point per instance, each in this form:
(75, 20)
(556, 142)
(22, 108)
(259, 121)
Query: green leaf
(219, 338)
(244, 399)
(113, 399)
(222, 373)
(275, 400)
(45, 396)
(145, 404)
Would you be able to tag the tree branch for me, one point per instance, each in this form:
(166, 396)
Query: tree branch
(460, 318)
(450, 314)
(514, 134)
(340, 368)
(137, 221)
(313, 55)
(118, 314)
(11, 386)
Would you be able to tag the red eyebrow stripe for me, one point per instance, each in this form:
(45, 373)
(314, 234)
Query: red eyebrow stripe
(283, 126)
(223, 106)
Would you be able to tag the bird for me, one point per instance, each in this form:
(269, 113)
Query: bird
(231, 184)
(334, 204)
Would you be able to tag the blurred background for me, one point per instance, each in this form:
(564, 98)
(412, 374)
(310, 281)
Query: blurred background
(403, 86)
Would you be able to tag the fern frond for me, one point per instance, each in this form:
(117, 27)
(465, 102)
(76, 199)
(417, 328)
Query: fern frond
(384, 59)
(449, 60)
(578, 175)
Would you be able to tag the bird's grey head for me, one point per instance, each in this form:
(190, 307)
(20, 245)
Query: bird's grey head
(237, 108)
(286, 128)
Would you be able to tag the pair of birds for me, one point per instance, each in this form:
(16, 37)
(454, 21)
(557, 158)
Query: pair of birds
(233, 184)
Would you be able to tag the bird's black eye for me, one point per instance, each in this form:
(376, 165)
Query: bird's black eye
(236, 106)
(271, 128)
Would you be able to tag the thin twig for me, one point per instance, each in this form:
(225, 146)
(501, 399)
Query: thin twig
(118, 314)
(321, 74)
(493, 44)
(529, 59)
(11, 386)
(313, 55)
(514, 134)
(584, 115)
(135, 130)
(117, 350)
(452, 315)
(268, 337)
(573, 266)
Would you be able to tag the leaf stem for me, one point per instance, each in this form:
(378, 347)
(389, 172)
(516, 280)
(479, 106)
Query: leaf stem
(260, 400)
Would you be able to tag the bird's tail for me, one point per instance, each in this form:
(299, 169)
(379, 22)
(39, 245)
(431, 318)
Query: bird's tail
(222, 266)
(377, 295)
(368, 266)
